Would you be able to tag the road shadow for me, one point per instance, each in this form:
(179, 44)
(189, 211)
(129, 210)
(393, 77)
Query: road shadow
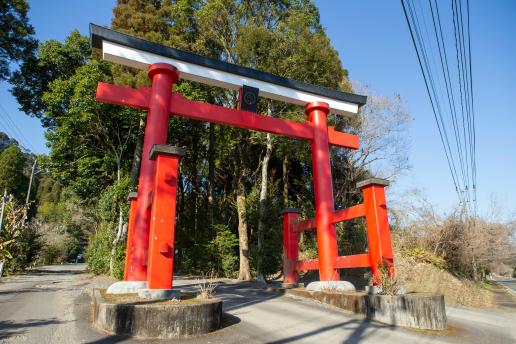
(9, 328)
(244, 294)
(30, 290)
(45, 272)
(361, 330)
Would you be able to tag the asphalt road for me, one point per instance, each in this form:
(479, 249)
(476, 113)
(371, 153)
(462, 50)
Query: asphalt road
(51, 305)
(509, 283)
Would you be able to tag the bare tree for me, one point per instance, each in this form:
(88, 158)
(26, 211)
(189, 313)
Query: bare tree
(383, 134)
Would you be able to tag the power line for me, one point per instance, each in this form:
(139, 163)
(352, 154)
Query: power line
(453, 115)
(472, 113)
(430, 96)
(14, 130)
(465, 61)
(432, 86)
(447, 79)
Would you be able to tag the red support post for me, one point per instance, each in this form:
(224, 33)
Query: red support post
(377, 223)
(163, 216)
(133, 199)
(323, 190)
(290, 246)
(163, 78)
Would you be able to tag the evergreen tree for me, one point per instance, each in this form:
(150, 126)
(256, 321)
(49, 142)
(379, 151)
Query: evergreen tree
(16, 34)
(53, 61)
(12, 177)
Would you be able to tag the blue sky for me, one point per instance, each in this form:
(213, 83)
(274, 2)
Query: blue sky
(374, 45)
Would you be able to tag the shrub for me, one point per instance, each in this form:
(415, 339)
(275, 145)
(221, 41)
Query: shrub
(119, 262)
(26, 247)
(71, 247)
(421, 255)
(223, 248)
(99, 250)
(49, 254)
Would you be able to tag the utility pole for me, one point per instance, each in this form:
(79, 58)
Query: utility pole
(28, 192)
(30, 181)
(2, 214)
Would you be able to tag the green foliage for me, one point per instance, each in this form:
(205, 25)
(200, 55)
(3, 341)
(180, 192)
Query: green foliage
(50, 254)
(113, 199)
(12, 178)
(4, 249)
(387, 280)
(54, 60)
(90, 144)
(99, 250)
(119, 262)
(223, 249)
(62, 249)
(50, 208)
(19, 240)
(26, 248)
(352, 237)
(16, 34)
(419, 254)
(71, 247)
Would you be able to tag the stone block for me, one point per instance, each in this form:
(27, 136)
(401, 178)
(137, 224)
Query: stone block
(159, 294)
(126, 287)
(330, 286)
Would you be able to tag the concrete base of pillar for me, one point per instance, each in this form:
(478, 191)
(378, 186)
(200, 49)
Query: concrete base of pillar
(129, 315)
(375, 290)
(330, 286)
(126, 287)
(422, 311)
(160, 294)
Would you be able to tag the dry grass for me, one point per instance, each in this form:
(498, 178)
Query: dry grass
(207, 286)
(134, 299)
(388, 282)
(423, 277)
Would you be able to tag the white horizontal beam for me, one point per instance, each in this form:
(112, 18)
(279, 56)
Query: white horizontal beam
(188, 71)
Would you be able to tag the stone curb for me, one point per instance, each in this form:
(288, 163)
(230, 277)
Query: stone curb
(421, 311)
(153, 319)
(509, 290)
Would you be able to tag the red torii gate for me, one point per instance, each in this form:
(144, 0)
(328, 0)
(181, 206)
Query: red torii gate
(150, 244)
(160, 102)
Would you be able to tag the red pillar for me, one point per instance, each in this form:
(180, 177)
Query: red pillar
(323, 189)
(290, 246)
(130, 233)
(163, 78)
(163, 216)
(377, 223)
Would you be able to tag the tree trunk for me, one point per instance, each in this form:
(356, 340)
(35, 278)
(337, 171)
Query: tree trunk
(122, 226)
(195, 186)
(211, 174)
(120, 237)
(137, 157)
(244, 272)
(285, 181)
(263, 209)
(475, 271)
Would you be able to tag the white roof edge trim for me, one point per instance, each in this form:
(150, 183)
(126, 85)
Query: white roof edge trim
(142, 60)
